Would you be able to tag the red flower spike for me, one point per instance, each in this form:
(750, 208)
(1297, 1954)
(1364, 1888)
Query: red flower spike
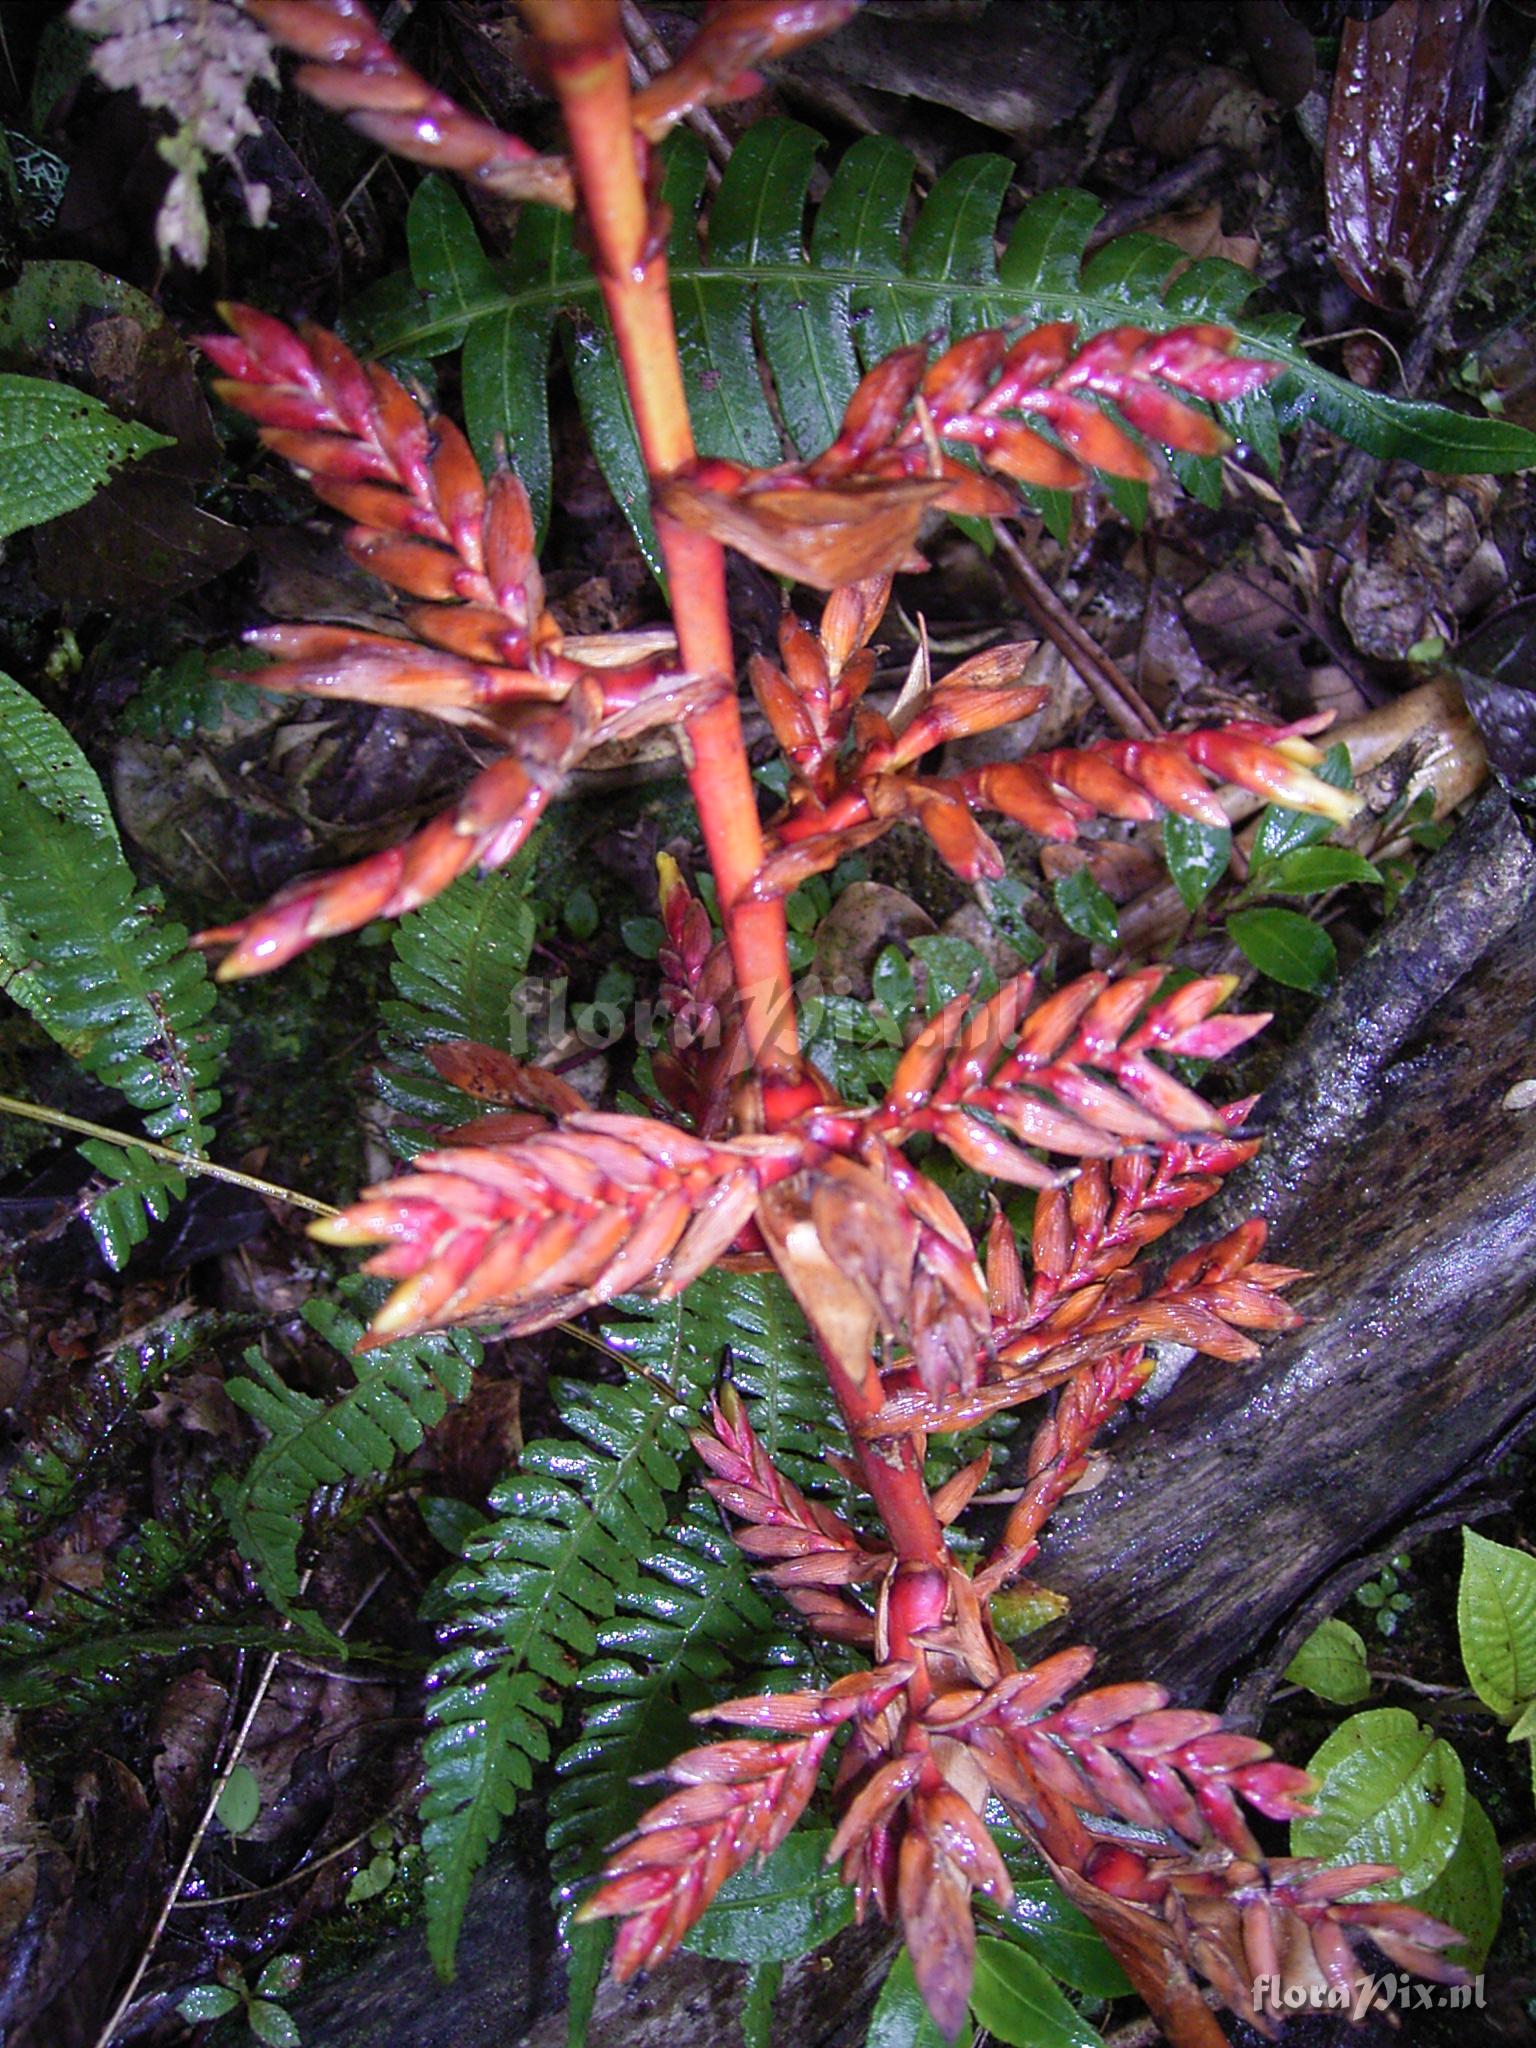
(354, 72)
(533, 1232)
(983, 393)
(717, 64)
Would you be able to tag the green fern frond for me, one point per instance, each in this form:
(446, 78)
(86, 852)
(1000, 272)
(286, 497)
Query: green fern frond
(49, 1471)
(748, 1323)
(88, 1673)
(693, 1618)
(401, 1391)
(457, 962)
(570, 1529)
(818, 308)
(95, 961)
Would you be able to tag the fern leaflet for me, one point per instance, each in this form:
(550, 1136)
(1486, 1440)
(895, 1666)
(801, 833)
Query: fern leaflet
(49, 1470)
(457, 961)
(819, 308)
(93, 959)
(402, 1390)
(570, 1529)
(692, 1618)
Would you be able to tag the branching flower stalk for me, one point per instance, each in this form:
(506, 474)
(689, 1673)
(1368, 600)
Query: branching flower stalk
(549, 1208)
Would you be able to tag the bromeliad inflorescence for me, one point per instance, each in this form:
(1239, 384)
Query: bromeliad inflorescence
(550, 1208)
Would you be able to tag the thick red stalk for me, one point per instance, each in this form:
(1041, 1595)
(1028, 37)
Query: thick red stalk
(584, 49)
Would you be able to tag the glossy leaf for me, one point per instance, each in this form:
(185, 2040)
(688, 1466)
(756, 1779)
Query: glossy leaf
(1017, 2002)
(1469, 1892)
(774, 1912)
(1310, 870)
(1286, 946)
(900, 2018)
(207, 2002)
(1084, 908)
(1331, 1663)
(1496, 1621)
(1389, 1791)
(1407, 93)
(1197, 856)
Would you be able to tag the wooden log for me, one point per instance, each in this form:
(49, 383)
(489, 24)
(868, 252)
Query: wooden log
(1398, 1171)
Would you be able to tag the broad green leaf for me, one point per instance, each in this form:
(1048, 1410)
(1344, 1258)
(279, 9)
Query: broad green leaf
(1496, 1620)
(1524, 1729)
(58, 446)
(1331, 1663)
(1469, 1893)
(1084, 908)
(1389, 1791)
(775, 1911)
(240, 1801)
(1017, 2002)
(900, 2018)
(1047, 1923)
(1197, 856)
(1286, 946)
(1309, 870)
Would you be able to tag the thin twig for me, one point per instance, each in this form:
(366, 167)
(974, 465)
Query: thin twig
(294, 1876)
(649, 58)
(183, 1162)
(1445, 281)
(183, 1870)
(1119, 698)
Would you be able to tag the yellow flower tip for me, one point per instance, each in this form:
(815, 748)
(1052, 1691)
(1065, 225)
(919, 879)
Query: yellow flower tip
(397, 1316)
(1301, 751)
(340, 1230)
(1339, 804)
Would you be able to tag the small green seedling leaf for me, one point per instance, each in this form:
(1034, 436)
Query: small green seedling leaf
(1331, 1663)
(281, 1977)
(271, 2024)
(207, 2002)
(1389, 1791)
(240, 1801)
(1496, 1620)
(1286, 946)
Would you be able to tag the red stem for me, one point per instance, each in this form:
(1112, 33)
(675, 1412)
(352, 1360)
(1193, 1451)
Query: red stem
(584, 48)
